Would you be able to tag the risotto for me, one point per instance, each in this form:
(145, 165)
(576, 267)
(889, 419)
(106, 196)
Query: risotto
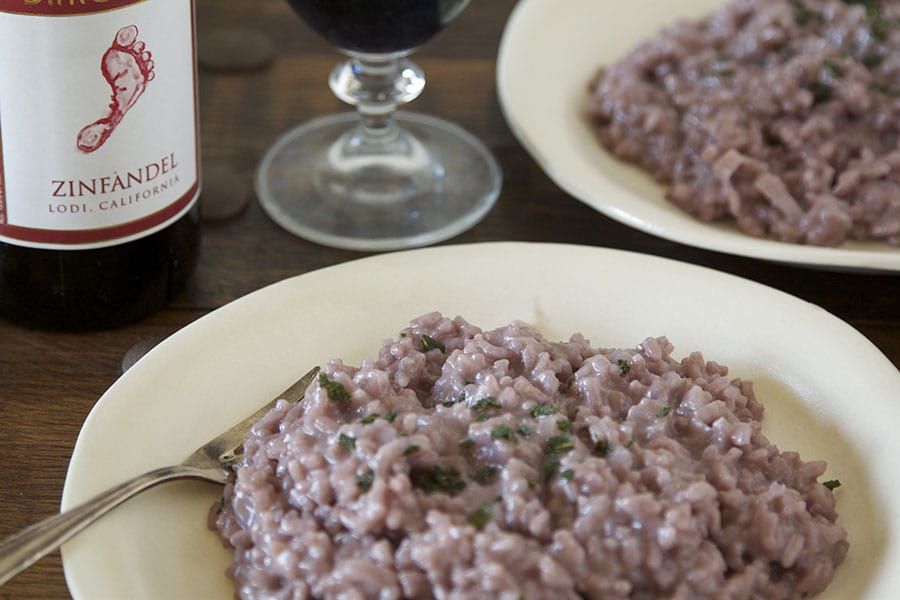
(463, 463)
(781, 115)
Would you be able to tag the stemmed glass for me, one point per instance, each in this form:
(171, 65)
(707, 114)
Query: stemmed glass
(377, 179)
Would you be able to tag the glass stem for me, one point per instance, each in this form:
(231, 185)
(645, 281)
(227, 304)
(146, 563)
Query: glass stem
(377, 84)
(376, 102)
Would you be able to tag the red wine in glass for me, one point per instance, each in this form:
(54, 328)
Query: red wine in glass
(377, 27)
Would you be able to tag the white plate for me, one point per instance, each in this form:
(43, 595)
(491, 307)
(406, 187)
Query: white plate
(549, 52)
(829, 392)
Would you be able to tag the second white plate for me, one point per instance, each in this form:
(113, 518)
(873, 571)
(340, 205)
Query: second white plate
(549, 52)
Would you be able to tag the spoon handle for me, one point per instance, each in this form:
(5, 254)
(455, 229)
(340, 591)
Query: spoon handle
(23, 549)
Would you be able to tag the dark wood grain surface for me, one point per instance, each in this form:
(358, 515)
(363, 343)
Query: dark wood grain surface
(50, 381)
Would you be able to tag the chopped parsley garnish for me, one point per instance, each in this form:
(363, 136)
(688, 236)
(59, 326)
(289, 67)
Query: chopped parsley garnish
(429, 343)
(567, 384)
(623, 366)
(485, 403)
(665, 410)
(467, 444)
(879, 25)
(559, 444)
(821, 92)
(719, 69)
(364, 480)
(482, 406)
(485, 474)
(483, 515)
(531, 483)
(389, 417)
(832, 484)
(504, 432)
(348, 442)
(549, 469)
(833, 68)
(565, 425)
(721, 72)
(524, 430)
(886, 90)
(412, 449)
(336, 392)
(803, 14)
(872, 60)
(460, 398)
(568, 474)
(438, 479)
(629, 443)
(542, 410)
(602, 447)
(366, 420)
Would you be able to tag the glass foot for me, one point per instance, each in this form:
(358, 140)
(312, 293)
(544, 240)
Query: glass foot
(325, 182)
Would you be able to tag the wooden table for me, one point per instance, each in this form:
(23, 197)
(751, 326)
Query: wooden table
(50, 381)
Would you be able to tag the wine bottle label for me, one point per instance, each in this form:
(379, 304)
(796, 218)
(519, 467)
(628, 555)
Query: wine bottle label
(98, 120)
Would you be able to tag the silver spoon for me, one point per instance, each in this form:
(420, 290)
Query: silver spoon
(212, 461)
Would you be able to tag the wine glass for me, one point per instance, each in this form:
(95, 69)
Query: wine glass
(376, 179)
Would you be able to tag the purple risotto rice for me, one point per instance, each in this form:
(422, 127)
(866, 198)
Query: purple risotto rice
(781, 115)
(463, 464)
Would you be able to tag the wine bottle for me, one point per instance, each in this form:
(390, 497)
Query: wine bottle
(99, 159)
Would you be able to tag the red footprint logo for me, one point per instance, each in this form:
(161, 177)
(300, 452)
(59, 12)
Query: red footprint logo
(127, 68)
